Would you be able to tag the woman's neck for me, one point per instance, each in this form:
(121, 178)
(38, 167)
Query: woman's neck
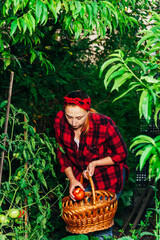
(77, 133)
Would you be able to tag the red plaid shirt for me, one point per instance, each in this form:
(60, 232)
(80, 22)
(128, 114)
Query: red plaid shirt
(103, 139)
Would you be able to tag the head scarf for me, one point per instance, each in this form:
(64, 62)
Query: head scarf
(82, 103)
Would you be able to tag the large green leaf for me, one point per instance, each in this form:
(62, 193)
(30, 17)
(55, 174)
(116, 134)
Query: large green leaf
(155, 48)
(107, 63)
(148, 36)
(39, 6)
(121, 80)
(13, 27)
(134, 85)
(145, 156)
(108, 76)
(145, 105)
(90, 13)
(150, 79)
(144, 139)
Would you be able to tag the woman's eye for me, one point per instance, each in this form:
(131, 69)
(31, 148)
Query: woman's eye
(79, 118)
(69, 117)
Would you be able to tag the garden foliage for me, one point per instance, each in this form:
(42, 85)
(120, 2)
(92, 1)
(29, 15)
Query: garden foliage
(54, 47)
(142, 76)
(29, 180)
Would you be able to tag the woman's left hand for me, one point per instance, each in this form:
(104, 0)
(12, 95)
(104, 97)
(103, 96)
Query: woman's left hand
(90, 169)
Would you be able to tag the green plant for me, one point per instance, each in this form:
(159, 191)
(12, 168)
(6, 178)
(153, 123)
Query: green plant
(137, 234)
(77, 237)
(29, 179)
(141, 75)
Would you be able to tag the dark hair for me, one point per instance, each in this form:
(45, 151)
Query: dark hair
(78, 94)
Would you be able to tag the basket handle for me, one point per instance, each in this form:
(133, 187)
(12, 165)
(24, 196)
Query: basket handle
(92, 186)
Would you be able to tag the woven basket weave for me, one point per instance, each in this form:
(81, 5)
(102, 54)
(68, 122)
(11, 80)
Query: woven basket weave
(93, 213)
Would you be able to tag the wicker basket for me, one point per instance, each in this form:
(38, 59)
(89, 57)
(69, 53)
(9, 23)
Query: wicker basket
(93, 213)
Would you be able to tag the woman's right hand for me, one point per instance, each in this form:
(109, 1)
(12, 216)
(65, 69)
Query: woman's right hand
(73, 184)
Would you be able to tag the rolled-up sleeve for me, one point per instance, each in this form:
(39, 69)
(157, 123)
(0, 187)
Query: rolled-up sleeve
(62, 158)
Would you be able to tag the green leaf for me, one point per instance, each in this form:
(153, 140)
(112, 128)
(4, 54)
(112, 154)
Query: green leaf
(39, 6)
(121, 80)
(145, 156)
(155, 48)
(145, 105)
(53, 10)
(13, 27)
(150, 79)
(145, 139)
(42, 179)
(78, 29)
(58, 6)
(157, 138)
(107, 63)
(112, 9)
(144, 38)
(33, 56)
(23, 24)
(31, 18)
(139, 143)
(65, 4)
(23, 183)
(130, 89)
(2, 147)
(77, 237)
(137, 62)
(142, 97)
(78, 7)
(90, 15)
(67, 21)
(3, 103)
(156, 114)
(157, 177)
(109, 76)
(146, 234)
(94, 8)
(28, 23)
(44, 16)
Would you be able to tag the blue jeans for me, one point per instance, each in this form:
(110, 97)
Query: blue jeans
(108, 232)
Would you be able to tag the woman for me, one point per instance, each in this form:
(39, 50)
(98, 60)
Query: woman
(90, 142)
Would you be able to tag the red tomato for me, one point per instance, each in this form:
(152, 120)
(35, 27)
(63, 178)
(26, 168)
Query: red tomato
(21, 213)
(78, 193)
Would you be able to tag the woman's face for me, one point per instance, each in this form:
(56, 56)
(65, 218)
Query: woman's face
(75, 116)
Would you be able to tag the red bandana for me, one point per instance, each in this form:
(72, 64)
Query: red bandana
(82, 103)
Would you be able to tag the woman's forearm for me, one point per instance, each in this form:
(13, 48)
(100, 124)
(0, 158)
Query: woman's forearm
(69, 173)
(107, 161)
(103, 162)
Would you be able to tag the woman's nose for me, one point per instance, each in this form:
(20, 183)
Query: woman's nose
(73, 122)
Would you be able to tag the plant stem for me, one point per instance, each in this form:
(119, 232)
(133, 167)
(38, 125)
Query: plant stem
(134, 74)
(40, 198)
(13, 198)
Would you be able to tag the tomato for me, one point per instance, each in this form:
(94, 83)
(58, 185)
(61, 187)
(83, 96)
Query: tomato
(21, 213)
(3, 219)
(14, 213)
(16, 178)
(78, 193)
